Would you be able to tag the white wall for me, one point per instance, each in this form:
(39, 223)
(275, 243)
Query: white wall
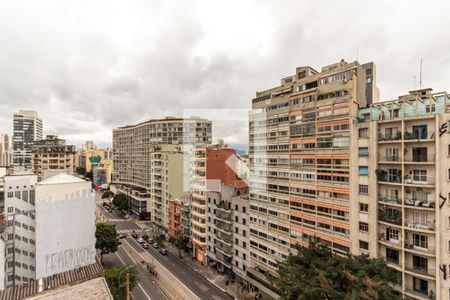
(65, 227)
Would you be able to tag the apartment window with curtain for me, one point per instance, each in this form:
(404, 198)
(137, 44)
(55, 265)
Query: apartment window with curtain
(363, 170)
(363, 151)
(364, 133)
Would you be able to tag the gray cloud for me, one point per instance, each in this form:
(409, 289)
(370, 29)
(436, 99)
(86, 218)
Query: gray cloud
(90, 66)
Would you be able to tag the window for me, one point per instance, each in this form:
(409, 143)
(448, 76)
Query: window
(420, 263)
(363, 170)
(392, 256)
(364, 133)
(363, 207)
(392, 234)
(364, 226)
(420, 175)
(363, 189)
(363, 151)
(363, 245)
(420, 285)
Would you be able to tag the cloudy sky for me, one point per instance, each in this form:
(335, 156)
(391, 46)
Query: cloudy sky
(88, 66)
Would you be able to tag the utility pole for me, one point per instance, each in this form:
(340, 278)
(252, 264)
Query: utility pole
(127, 286)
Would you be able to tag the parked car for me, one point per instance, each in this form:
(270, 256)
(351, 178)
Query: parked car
(163, 251)
(140, 240)
(155, 245)
(145, 237)
(134, 235)
(145, 245)
(122, 236)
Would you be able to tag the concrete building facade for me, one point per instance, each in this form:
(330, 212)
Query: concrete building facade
(61, 207)
(300, 160)
(6, 154)
(52, 156)
(27, 128)
(145, 154)
(212, 166)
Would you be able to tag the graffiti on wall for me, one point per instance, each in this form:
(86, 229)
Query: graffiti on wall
(69, 259)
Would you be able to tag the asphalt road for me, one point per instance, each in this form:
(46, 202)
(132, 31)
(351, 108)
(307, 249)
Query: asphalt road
(191, 279)
(145, 289)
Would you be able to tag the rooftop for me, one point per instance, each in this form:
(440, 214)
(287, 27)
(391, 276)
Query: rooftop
(61, 178)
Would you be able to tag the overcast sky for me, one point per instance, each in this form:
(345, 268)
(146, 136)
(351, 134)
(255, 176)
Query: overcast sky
(88, 66)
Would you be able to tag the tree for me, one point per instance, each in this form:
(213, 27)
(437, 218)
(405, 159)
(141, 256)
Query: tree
(112, 278)
(120, 201)
(180, 240)
(90, 175)
(316, 273)
(107, 194)
(106, 238)
(81, 170)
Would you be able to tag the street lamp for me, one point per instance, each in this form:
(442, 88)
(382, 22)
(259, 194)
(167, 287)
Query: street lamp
(118, 280)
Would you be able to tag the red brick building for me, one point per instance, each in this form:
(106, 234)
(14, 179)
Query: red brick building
(174, 217)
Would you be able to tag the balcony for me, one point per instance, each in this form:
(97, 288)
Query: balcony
(390, 159)
(394, 136)
(420, 158)
(419, 180)
(418, 135)
(419, 225)
(419, 203)
(390, 199)
(421, 270)
(392, 177)
(392, 216)
(425, 249)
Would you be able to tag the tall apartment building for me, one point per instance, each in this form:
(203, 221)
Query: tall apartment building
(52, 156)
(401, 191)
(27, 128)
(212, 166)
(49, 227)
(300, 163)
(145, 154)
(227, 228)
(6, 155)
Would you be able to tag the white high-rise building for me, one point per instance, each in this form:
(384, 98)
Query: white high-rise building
(48, 228)
(27, 128)
(5, 150)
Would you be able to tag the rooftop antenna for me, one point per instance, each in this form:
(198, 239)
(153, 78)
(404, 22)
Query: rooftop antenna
(414, 76)
(420, 80)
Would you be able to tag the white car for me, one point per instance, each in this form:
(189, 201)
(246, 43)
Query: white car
(140, 240)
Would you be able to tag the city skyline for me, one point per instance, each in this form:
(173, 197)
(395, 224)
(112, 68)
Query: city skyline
(88, 74)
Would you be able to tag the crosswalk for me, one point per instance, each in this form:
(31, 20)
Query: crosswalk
(116, 220)
(129, 231)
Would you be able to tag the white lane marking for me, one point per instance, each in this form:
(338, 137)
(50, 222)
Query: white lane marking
(138, 283)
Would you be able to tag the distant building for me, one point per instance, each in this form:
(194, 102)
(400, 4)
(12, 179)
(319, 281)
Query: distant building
(108, 153)
(52, 156)
(149, 163)
(6, 153)
(83, 158)
(103, 172)
(61, 207)
(27, 128)
(89, 146)
(174, 218)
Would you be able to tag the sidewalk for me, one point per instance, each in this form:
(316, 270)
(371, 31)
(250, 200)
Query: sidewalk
(210, 274)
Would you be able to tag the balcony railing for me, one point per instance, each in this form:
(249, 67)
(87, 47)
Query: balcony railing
(390, 199)
(427, 271)
(390, 136)
(420, 203)
(425, 249)
(422, 135)
(390, 158)
(393, 217)
(425, 225)
(393, 178)
(419, 179)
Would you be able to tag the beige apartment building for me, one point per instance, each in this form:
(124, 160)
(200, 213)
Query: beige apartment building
(402, 191)
(300, 160)
(146, 154)
(328, 160)
(52, 156)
